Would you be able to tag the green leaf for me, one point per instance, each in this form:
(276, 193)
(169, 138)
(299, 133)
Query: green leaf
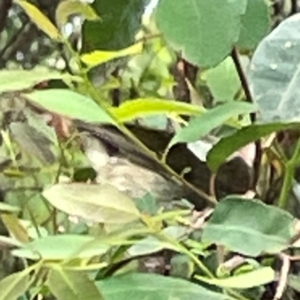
(138, 108)
(95, 202)
(70, 104)
(274, 75)
(203, 124)
(228, 145)
(40, 20)
(248, 280)
(263, 229)
(17, 80)
(223, 81)
(151, 244)
(120, 21)
(15, 285)
(60, 247)
(220, 19)
(255, 24)
(98, 57)
(138, 286)
(4, 207)
(67, 8)
(68, 285)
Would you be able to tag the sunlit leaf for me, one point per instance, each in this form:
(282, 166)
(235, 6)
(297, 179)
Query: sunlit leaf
(139, 108)
(40, 20)
(248, 280)
(98, 57)
(95, 202)
(70, 104)
(263, 229)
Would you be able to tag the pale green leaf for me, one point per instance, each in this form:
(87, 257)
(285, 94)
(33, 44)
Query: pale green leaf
(61, 247)
(248, 280)
(95, 202)
(70, 104)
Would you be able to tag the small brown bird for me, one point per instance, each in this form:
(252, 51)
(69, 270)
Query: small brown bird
(118, 161)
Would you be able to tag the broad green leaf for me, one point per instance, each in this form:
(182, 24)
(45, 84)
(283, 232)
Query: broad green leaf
(138, 108)
(263, 229)
(228, 145)
(67, 8)
(136, 286)
(40, 20)
(98, 57)
(255, 24)
(275, 73)
(220, 19)
(60, 247)
(72, 285)
(223, 81)
(95, 202)
(17, 80)
(15, 285)
(120, 21)
(248, 280)
(203, 124)
(70, 104)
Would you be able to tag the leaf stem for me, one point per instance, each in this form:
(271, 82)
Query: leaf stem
(289, 177)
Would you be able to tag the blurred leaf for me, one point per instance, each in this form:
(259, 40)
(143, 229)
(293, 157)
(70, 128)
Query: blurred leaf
(61, 247)
(229, 144)
(4, 207)
(136, 286)
(206, 19)
(98, 57)
(70, 104)
(14, 227)
(138, 108)
(32, 142)
(248, 280)
(182, 266)
(15, 285)
(223, 81)
(294, 282)
(17, 80)
(263, 229)
(151, 244)
(275, 73)
(67, 8)
(95, 202)
(255, 24)
(120, 21)
(201, 125)
(72, 285)
(40, 20)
